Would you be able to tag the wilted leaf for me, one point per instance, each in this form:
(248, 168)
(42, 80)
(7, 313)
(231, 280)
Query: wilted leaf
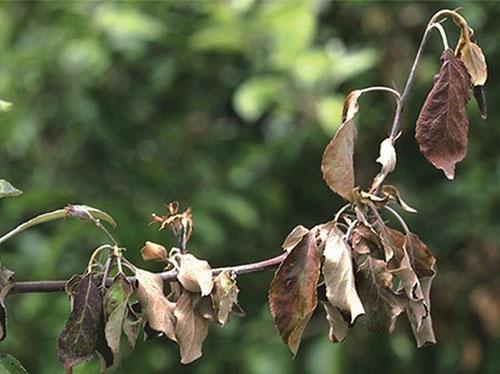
(338, 325)
(387, 159)
(158, 311)
(8, 190)
(292, 294)
(78, 341)
(394, 194)
(339, 277)
(443, 124)
(195, 275)
(115, 310)
(191, 328)
(10, 365)
(224, 295)
(473, 58)
(154, 251)
(87, 213)
(337, 163)
(381, 303)
(132, 326)
(294, 237)
(480, 97)
(365, 240)
(6, 283)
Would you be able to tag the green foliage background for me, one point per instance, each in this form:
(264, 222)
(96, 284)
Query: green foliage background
(226, 107)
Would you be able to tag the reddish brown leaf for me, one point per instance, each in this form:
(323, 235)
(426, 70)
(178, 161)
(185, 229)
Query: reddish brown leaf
(294, 237)
(443, 124)
(292, 294)
(337, 163)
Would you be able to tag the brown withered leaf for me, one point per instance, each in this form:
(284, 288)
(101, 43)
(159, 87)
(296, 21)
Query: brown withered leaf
(195, 275)
(6, 283)
(78, 341)
(339, 277)
(480, 97)
(294, 237)
(442, 125)
(116, 309)
(224, 295)
(292, 294)
(393, 194)
(338, 325)
(473, 58)
(159, 311)
(337, 163)
(153, 251)
(132, 326)
(381, 303)
(365, 240)
(191, 328)
(387, 158)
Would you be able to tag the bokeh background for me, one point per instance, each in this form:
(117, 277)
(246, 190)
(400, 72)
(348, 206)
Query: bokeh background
(226, 107)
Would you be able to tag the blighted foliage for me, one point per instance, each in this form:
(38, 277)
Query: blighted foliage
(356, 265)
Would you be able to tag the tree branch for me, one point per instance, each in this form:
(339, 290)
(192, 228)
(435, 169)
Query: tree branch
(167, 276)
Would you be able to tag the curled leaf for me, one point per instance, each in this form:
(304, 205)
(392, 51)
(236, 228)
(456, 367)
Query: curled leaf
(191, 328)
(480, 97)
(339, 277)
(6, 283)
(154, 251)
(194, 274)
(338, 325)
(88, 213)
(8, 190)
(387, 159)
(224, 295)
(393, 194)
(473, 58)
(294, 237)
(292, 294)
(159, 311)
(337, 163)
(443, 124)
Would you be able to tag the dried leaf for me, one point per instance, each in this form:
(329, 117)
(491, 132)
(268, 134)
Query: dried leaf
(78, 341)
(473, 58)
(387, 159)
(292, 294)
(294, 237)
(337, 163)
(443, 124)
(365, 240)
(8, 190)
(154, 251)
(480, 97)
(159, 312)
(6, 283)
(88, 213)
(195, 275)
(338, 325)
(339, 277)
(116, 310)
(224, 295)
(393, 193)
(381, 303)
(132, 326)
(191, 328)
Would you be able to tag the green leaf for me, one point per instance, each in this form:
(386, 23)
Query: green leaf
(6, 283)
(5, 106)
(115, 310)
(10, 365)
(256, 95)
(79, 340)
(8, 190)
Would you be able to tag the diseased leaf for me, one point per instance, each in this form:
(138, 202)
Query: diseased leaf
(337, 163)
(78, 341)
(8, 190)
(154, 251)
(6, 283)
(224, 295)
(115, 310)
(294, 237)
(393, 194)
(195, 275)
(339, 277)
(87, 213)
(132, 326)
(480, 97)
(443, 124)
(159, 311)
(473, 58)
(10, 365)
(191, 328)
(381, 303)
(338, 325)
(292, 294)
(387, 159)
(365, 240)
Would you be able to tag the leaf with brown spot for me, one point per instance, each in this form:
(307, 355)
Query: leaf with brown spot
(159, 312)
(442, 125)
(191, 328)
(6, 283)
(294, 237)
(337, 163)
(224, 295)
(79, 340)
(195, 275)
(381, 303)
(339, 277)
(292, 294)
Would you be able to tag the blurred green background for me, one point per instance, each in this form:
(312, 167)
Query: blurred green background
(226, 107)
